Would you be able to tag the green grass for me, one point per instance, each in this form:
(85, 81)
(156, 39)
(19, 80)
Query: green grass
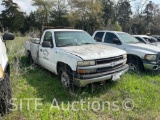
(35, 82)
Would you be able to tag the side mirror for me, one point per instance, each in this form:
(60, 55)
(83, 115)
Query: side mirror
(97, 39)
(47, 44)
(116, 41)
(8, 36)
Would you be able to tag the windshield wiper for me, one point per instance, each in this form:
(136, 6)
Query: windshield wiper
(69, 44)
(87, 43)
(131, 42)
(138, 42)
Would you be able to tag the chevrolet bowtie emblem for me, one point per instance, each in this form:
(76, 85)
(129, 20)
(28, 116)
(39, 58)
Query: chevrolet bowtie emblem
(113, 64)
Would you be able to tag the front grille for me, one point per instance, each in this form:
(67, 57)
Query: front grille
(113, 64)
(99, 70)
(109, 60)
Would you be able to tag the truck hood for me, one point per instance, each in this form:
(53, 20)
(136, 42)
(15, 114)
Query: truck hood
(157, 44)
(146, 47)
(93, 51)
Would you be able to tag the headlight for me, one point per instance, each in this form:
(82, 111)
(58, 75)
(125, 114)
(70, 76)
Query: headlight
(125, 56)
(150, 57)
(1, 72)
(86, 63)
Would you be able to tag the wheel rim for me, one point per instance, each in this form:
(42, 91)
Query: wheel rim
(132, 67)
(65, 80)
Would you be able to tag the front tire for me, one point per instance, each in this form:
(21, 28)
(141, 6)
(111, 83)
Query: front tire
(66, 77)
(65, 80)
(135, 64)
(5, 95)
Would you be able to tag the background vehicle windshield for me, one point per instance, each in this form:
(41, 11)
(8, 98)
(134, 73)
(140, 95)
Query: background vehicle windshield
(73, 38)
(127, 38)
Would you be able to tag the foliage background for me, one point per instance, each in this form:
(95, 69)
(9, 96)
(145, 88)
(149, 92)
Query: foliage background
(88, 15)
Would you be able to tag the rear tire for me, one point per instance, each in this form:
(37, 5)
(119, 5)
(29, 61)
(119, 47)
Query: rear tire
(30, 59)
(5, 95)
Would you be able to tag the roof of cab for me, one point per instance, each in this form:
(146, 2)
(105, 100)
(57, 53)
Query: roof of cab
(141, 36)
(109, 31)
(63, 30)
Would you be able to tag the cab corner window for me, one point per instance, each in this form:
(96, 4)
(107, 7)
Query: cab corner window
(98, 37)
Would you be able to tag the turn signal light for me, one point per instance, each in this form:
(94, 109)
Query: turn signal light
(80, 71)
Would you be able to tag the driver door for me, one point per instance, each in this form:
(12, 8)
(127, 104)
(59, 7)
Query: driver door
(46, 54)
(108, 40)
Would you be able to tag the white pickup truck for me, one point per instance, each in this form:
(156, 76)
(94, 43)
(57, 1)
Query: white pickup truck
(5, 88)
(76, 57)
(140, 56)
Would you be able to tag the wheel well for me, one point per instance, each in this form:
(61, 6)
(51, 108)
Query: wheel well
(132, 57)
(28, 51)
(7, 70)
(63, 65)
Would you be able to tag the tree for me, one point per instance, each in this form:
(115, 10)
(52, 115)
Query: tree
(124, 13)
(149, 15)
(44, 8)
(59, 14)
(108, 9)
(32, 21)
(146, 18)
(86, 14)
(11, 18)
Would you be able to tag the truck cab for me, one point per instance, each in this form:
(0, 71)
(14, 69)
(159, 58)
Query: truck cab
(140, 56)
(76, 57)
(5, 88)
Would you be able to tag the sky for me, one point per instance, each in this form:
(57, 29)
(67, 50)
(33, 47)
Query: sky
(26, 6)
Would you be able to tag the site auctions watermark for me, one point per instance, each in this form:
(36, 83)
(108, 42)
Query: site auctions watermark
(81, 105)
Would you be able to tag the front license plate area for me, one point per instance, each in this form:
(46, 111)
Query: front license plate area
(115, 77)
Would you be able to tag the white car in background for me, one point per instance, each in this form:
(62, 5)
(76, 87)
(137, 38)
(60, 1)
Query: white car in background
(147, 40)
(157, 37)
(140, 56)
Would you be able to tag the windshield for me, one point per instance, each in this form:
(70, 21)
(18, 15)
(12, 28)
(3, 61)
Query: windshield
(73, 38)
(127, 38)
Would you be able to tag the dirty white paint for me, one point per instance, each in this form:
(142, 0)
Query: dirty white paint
(3, 54)
(94, 51)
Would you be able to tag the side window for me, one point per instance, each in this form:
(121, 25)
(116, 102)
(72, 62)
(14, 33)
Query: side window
(109, 38)
(48, 37)
(140, 39)
(147, 39)
(98, 37)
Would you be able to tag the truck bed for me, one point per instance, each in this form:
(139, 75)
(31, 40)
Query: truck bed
(32, 46)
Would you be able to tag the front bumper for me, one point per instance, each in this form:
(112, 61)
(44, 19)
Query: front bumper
(151, 65)
(99, 77)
